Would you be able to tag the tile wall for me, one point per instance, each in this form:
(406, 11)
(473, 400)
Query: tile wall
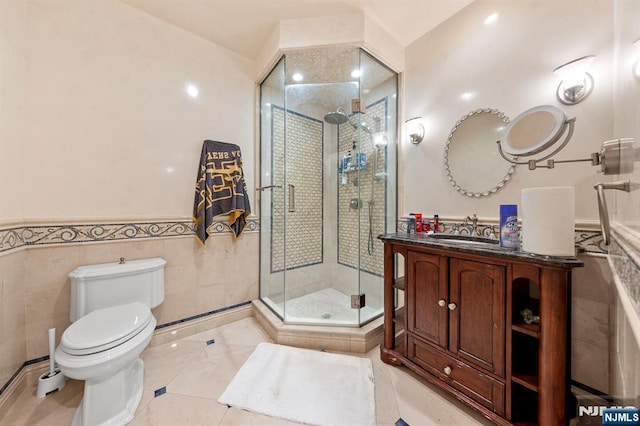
(353, 223)
(304, 167)
(197, 280)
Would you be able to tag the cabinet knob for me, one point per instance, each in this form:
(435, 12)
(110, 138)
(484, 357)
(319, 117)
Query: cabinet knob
(447, 370)
(452, 306)
(442, 302)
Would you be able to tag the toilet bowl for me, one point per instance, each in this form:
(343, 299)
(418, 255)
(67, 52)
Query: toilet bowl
(110, 311)
(103, 348)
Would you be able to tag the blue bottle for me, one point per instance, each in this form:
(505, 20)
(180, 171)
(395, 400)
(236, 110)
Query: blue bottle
(509, 236)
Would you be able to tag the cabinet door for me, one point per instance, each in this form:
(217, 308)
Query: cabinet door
(477, 331)
(427, 297)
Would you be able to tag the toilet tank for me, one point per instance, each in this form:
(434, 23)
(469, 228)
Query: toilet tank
(111, 284)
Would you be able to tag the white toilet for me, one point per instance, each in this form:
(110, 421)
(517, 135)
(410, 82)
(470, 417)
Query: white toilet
(112, 324)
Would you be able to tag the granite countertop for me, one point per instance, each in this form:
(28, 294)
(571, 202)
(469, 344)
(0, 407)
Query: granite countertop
(493, 250)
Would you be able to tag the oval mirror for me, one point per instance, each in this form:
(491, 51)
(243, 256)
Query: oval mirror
(533, 131)
(474, 167)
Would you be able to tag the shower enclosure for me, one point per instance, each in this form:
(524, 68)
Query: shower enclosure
(328, 124)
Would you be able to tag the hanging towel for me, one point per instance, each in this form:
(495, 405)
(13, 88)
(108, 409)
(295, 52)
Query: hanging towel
(220, 188)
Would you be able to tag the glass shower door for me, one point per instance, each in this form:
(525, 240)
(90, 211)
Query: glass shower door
(327, 185)
(377, 137)
(271, 191)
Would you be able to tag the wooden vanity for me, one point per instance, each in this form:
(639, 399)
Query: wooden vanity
(453, 314)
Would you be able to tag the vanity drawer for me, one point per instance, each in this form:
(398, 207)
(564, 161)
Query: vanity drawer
(473, 383)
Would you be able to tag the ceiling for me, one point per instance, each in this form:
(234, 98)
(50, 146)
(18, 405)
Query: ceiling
(242, 26)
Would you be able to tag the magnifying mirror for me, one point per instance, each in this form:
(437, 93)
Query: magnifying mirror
(535, 131)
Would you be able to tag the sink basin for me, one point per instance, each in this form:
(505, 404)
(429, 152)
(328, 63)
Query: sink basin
(463, 239)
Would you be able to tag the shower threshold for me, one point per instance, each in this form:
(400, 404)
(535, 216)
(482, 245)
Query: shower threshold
(324, 307)
(329, 337)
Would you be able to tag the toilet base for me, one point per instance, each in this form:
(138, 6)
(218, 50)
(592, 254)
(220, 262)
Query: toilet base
(112, 401)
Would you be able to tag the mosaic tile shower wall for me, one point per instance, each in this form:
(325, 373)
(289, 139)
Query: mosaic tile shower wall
(355, 196)
(304, 164)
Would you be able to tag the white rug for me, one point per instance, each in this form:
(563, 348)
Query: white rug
(304, 386)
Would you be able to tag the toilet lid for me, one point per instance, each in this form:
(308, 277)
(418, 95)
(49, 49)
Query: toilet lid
(103, 329)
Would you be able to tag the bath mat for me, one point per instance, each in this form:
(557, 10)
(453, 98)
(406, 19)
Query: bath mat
(305, 386)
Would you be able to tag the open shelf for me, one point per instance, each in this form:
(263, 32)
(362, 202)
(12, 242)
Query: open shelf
(529, 382)
(399, 283)
(399, 315)
(525, 406)
(532, 330)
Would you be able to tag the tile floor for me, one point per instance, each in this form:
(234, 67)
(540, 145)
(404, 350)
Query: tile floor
(196, 373)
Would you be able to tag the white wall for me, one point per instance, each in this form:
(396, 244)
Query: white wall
(111, 131)
(508, 66)
(12, 98)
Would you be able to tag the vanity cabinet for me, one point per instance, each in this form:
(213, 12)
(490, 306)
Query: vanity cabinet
(453, 315)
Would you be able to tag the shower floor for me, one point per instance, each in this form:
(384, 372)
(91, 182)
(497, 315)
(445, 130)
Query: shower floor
(327, 306)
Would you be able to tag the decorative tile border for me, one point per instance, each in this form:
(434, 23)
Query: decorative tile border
(627, 269)
(17, 237)
(587, 241)
(13, 238)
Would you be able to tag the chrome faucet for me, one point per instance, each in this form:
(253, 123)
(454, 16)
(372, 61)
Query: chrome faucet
(474, 222)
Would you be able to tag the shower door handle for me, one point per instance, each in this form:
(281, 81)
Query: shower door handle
(292, 198)
(262, 188)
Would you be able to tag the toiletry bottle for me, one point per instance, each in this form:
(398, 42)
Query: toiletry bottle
(509, 226)
(418, 217)
(411, 226)
(436, 223)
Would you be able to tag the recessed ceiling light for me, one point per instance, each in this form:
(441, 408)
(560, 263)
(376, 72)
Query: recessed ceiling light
(297, 77)
(192, 90)
(467, 96)
(491, 19)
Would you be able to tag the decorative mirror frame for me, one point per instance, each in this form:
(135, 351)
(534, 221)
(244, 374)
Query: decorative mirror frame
(452, 180)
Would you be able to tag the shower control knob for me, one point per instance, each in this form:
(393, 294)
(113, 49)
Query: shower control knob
(452, 306)
(442, 302)
(447, 370)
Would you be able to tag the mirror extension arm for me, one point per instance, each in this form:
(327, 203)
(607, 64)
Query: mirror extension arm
(624, 185)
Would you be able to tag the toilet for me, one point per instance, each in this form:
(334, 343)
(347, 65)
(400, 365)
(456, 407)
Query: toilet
(112, 324)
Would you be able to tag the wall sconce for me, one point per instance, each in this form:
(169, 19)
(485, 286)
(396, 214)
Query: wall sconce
(415, 130)
(576, 82)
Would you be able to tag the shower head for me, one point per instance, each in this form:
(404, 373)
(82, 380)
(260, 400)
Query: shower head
(338, 116)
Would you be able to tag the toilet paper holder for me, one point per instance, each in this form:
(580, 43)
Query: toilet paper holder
(624, 185)
(616, 157)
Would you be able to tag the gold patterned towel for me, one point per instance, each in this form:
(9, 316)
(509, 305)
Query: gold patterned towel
(220, 188)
